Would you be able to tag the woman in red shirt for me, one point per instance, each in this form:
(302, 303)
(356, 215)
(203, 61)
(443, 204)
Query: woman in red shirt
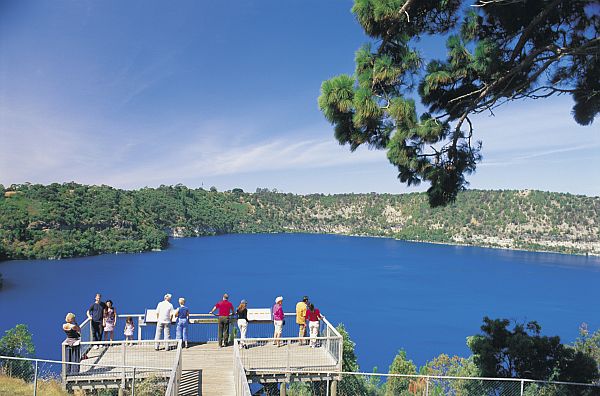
(313, 315)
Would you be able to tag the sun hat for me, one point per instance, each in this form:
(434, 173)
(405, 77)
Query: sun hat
(280, 298)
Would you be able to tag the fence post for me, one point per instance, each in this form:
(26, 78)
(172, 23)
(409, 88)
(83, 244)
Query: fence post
(139, 328)
(427, 386)
(35, 374)
(522, 387)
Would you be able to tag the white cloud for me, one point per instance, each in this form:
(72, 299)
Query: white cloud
(41, 149)
(211, 157)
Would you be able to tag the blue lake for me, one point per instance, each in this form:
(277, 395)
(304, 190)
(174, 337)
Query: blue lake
(390, 294)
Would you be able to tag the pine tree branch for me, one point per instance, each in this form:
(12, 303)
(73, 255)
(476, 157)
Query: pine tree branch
(404, 9)
(525, 35)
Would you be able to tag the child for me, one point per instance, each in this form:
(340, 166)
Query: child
(110, 320)
(129, 329)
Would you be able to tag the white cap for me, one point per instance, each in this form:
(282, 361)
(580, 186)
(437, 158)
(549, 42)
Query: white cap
(278, 299)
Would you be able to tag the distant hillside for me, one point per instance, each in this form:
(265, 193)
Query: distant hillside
(67, 220)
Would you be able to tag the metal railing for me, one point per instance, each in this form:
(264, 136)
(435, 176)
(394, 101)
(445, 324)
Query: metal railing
(242, 388)
(114, 362)
(175, 378)
(295, 353)
(42, 376)
(203, 328)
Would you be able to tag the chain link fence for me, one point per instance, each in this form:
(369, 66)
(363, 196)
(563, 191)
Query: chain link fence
(375, 384)
(25, 377)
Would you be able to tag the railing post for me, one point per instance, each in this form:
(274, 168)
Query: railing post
(133, 383)
(427, 386)
(522, 387)
(179, 346)
(139, 328)
(288, 365)
(64, 365)
(340, 352)
(123, 379)
(35, 374)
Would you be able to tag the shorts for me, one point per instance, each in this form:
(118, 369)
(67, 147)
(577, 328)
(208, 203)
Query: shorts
(278, 326)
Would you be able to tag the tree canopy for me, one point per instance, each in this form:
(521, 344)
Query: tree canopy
(524, 353)
(497, 51)
(17, 342)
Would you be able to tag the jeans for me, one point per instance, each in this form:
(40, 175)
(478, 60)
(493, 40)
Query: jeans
(162, 327)
(97, 331)
(181, 330)
(223, 336)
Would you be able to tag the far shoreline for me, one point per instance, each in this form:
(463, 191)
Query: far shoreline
(483, 246)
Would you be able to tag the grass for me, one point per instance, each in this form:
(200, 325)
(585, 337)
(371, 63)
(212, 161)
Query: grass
(17, 387)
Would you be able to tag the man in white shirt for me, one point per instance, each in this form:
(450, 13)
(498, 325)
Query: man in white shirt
(164, 312)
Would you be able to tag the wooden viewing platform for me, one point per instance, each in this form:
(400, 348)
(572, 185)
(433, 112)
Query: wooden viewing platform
(204, 368)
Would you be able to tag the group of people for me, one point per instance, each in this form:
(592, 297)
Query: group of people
(306, 312)
(165, 314)
(103, 318)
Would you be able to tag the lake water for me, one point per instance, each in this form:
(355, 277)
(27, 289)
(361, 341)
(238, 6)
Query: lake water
(390, 294)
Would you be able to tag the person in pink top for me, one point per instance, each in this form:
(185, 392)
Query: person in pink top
(225, 311)
(313, 315)
(278, 319)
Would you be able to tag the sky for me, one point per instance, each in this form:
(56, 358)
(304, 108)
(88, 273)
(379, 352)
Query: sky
(143, 93)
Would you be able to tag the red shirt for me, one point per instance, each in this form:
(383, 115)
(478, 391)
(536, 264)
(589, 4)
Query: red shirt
(313, 316)
(224, 307)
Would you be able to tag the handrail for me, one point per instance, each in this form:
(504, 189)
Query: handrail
(337, 333)
(85, 364)
(118, 342)
(242, 388)
(173, 386)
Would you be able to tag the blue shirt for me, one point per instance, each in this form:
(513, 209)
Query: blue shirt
(97, 311)
(183, 313)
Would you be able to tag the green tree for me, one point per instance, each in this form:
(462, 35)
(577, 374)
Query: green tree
(17, 342)
(497, 51)
(523, 352)
(588, 343)
(397, 386)
(455, 366)
(350, 384)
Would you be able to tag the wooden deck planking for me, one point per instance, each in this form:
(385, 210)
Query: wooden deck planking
(207, 371)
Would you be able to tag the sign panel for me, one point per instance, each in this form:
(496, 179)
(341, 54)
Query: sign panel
(259, 314)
